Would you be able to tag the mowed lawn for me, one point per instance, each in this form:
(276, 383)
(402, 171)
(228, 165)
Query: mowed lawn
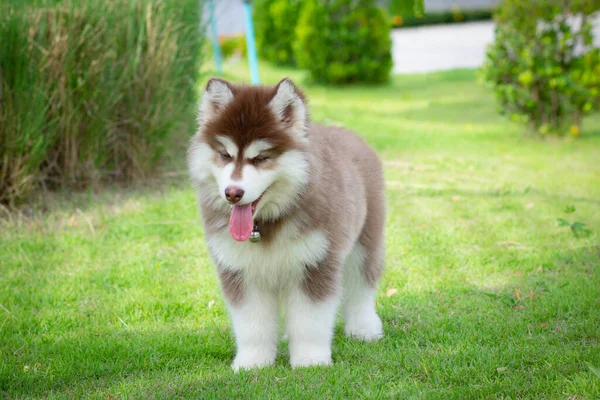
(111, 293)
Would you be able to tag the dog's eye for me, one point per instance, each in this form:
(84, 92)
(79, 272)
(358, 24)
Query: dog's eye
(225, 156)
(260, 158)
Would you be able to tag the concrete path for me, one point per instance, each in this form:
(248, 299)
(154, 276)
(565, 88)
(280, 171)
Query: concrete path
(441, 47)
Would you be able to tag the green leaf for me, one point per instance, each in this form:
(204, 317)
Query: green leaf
(569, 209)
(563, 222)
(525, 77)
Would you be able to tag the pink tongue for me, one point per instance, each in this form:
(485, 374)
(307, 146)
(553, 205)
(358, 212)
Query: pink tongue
(240, 222)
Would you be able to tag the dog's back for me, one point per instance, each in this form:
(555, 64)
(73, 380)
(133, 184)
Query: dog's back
(348, 197)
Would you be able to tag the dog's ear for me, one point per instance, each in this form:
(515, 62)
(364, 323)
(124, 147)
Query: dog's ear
(289, 106)
(216, 96)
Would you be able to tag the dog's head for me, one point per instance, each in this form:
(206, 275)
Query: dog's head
(249, 157)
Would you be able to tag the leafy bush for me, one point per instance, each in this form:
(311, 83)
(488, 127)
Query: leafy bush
(543, 64)
(341, 41)
(92, 90)
(233, 45)
(275, 24)
(406, 8)
(434, 18)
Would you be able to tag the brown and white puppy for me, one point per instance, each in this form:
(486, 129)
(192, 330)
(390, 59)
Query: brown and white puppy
(315, 194)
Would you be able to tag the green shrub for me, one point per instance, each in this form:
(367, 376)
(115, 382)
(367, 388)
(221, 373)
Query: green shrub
(434, 18)
(233, 45)
(543, 64)
(92, 90)
(275, 24)
(406, 8)
(342, 41)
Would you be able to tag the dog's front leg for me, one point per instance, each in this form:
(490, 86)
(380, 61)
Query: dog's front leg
(310, 316)
(254, 314)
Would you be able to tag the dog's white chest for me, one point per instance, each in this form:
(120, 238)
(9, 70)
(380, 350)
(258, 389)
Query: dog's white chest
(283, 260)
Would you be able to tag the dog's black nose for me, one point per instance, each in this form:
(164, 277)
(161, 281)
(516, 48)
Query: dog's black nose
(233, 194)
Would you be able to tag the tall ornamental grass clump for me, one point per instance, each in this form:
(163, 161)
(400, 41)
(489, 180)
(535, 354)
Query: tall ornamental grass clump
(93, 90)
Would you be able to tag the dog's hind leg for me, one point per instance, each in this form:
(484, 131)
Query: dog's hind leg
(361, 319)
(364, 264)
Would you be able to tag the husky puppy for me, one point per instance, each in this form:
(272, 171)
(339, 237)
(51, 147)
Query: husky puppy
(310, 199)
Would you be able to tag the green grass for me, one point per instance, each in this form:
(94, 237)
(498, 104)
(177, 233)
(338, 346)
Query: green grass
(112, 294)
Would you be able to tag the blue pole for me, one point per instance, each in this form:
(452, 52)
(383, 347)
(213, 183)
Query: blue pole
(250, 44)
(215, 37)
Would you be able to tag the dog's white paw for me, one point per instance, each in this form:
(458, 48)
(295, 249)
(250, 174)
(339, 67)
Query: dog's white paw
(249, 359)
(365, 327)
(307, 356)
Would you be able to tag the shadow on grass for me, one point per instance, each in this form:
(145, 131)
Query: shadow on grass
(45, 202)
(102, 359)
